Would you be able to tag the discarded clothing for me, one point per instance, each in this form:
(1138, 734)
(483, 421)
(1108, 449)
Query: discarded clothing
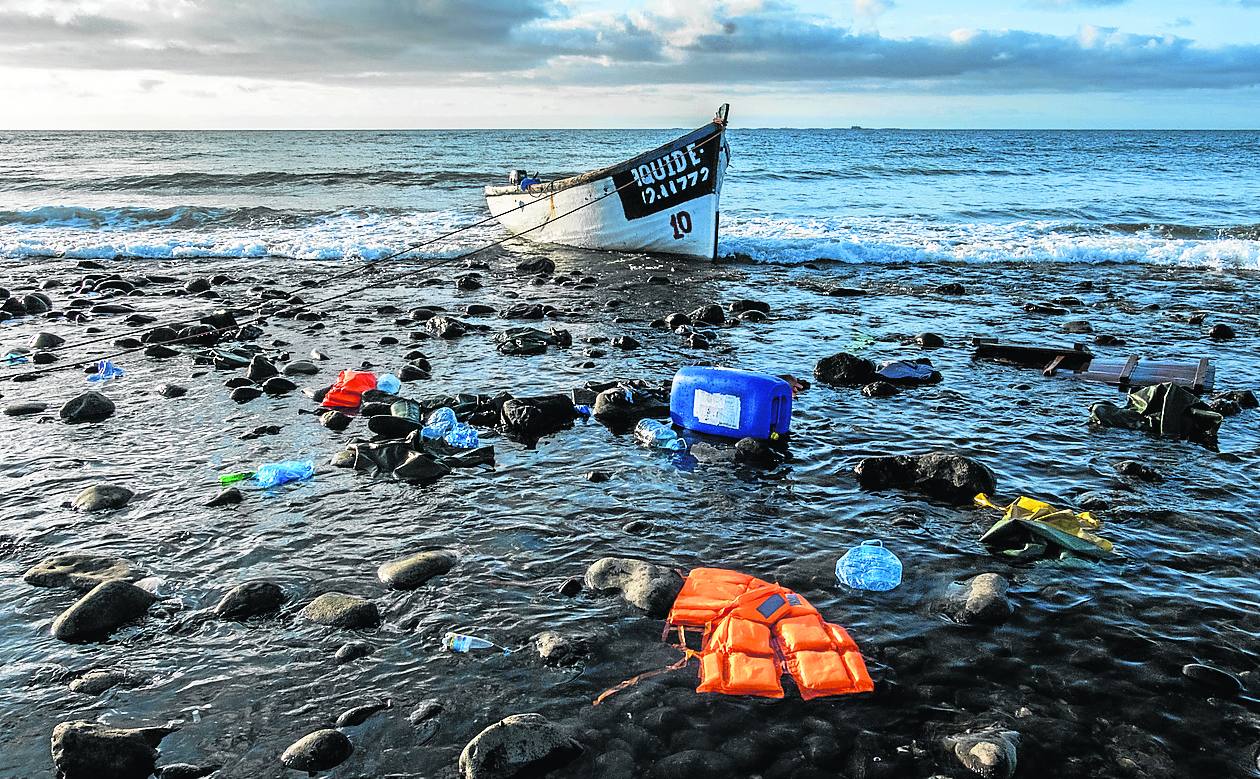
(1163, 410)
(1031, 528)
(908, 373)
(755, 630)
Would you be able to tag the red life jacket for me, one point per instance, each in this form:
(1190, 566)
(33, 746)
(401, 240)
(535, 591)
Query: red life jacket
(347, 391)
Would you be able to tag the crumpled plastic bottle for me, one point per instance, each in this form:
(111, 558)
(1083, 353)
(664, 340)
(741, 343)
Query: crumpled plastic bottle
(106, 370)
(659, 435)
(869, 566)
(275, 474)
(464, 643)
(439, 423)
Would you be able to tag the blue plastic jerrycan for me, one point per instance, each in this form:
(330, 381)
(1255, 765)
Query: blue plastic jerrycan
(731, 403)
(869, 566)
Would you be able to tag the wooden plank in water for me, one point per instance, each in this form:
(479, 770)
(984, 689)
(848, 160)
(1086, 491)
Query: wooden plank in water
(1069, 359)
(1199, 375)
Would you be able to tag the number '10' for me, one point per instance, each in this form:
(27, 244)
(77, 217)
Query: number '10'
(681, 222)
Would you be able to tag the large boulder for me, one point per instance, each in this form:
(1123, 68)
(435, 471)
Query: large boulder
(251, 599)
(102, 497)
(943, 475)
(339, 610)
(989, 754)
(845, 370)
(88, 407)
(79, 571)
(517, 746)
(105, 608)
(979, 600)
(651, 588)
(410, 572)
(90, 750)
(318, 751)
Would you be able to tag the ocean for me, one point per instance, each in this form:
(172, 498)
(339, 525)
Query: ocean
(1166, 197)
(883, 244)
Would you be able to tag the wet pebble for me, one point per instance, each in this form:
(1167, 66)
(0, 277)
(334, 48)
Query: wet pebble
(318, 751)
(172, 390)
(100, 681)
(427, 710)
(989, 754)
(101, 611)
(250, 599)
(339, 610)
(1212, 680)
(1139, 471)
(1221, 332)
(979, 600)
(410, 572)
(651, 588)
(102, 497)
(88, 407)
(90, 750)
(508, 747)
(360, 714)
(301, 368)
(25, 408)
(351, 651)
(79, 571)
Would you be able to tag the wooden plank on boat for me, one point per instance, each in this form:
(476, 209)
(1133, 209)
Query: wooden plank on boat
(1199, 375)
(1044, 357)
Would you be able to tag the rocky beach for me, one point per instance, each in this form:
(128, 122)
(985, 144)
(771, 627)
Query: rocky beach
(154, 619)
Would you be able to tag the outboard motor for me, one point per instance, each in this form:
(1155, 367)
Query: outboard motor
(515, 176)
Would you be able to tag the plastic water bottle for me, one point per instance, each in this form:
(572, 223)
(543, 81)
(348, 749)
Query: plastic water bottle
(658, 436)
(463, 643)
(233, 478)
(869, 566)
(388, 383)
(439, 423)
(106, 370)
(583, 410)
(462, 436)
(275, 474)
(15, 358)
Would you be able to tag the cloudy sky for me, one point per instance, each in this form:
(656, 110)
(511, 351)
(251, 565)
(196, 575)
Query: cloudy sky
(628, 63)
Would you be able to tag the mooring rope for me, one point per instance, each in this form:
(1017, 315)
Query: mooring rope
(28, 375)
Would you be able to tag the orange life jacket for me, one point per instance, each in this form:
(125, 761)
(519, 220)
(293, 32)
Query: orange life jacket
(753, 630)
(347, 391)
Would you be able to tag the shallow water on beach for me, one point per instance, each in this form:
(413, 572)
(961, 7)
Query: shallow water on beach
(1088, 669)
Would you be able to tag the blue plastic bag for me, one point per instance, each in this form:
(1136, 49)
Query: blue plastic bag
(275, 474)
(439, 423)
(869, 566)
(106, 370)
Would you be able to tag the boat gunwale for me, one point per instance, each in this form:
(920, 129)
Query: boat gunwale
(545, 188)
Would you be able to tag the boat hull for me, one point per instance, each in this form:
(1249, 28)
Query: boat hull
(664, 201)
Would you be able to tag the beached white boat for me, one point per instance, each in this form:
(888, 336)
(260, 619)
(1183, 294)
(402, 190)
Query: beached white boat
(664, 200)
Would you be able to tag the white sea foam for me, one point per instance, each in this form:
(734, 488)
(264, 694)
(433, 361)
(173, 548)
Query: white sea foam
(885, 241)
(186, 232)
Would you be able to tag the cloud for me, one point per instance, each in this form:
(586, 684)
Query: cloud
(541, 43)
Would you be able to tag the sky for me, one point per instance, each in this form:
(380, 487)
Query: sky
(159, 64)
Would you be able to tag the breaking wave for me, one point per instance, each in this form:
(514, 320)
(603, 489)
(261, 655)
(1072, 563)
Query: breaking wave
(897, 241)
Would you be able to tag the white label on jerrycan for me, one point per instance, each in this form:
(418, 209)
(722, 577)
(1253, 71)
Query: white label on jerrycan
(714, 408)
